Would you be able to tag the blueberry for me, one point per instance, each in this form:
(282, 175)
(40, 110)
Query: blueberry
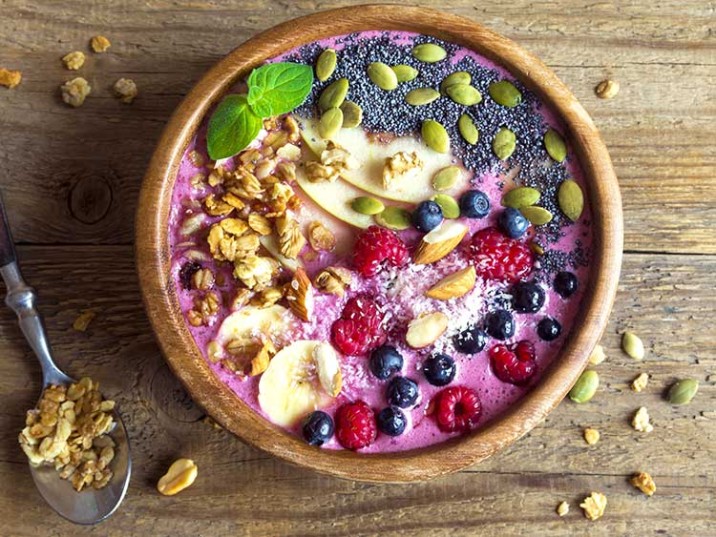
(470, 341)
(427, 216)
(439, 369)
(549, 329)
(565, 283)
(317, 428)
(527, 297)
(385, 360)
(474, 204)
(500, 324)
(391, 421)
(513, 223)
(402, 392)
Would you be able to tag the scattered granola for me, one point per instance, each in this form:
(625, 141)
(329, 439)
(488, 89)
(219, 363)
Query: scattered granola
(320, 237)
(181, 474)
(399, 165)
(126, 90)
(640, 422)
(597, 356)
(644, 482)
(75, 91)
(203, 279)
(74, 60)
(335, 162)
(291, 240)
(83, 320)
(9, 78)
(640, 382)
(591, 436)
(594, 505)
(300, 295)
(68, 429)
(333, 280)
(99, 43)
(563, 509)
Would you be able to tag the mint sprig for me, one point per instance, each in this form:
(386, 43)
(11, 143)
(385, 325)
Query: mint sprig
(274, 89)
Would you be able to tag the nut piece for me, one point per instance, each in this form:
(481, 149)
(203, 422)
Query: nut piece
(607, 89)
(400, 165)
(180, 475)
(453, 285)
(594, 505)
(591, 436)
(125, 89)
(9, 78)
(640, 382)
(640, 421)
(439, 242)
(75, 91)
(597, 356)
(260, 362)
(563, 509)
(83, 320)
(299, 294)
(426, 329)
(99, 43)
(644, 482)
(333, 280)
(74, 60)
(320, 237)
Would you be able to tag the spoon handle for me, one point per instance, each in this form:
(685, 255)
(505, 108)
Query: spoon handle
(21, 299)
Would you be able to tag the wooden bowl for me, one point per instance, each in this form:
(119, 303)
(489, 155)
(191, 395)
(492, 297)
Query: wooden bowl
(185, 359)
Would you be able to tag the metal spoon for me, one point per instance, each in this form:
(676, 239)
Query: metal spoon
(89, 506)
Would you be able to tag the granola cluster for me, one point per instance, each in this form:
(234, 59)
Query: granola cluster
(68, 429)
(335, 161)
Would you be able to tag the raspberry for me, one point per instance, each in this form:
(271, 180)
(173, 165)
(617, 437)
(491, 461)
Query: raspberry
(376, 245)
(359, 329)
(497, 257)
(355, 425)
(515, 364)
(457, 408)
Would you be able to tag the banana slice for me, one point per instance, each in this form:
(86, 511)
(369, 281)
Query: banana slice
(300, 379)
(249, 322)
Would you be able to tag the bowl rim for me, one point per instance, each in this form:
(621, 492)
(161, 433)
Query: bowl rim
(217, 399)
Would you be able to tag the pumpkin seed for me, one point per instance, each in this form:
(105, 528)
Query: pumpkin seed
(352, 114)
(404, 73)
(571, 199)
(519, 197)
(555, 146)
(331, 122)
(446, 178)
(395, 218)
(460, 77)
(467, 129)
(585, 388)
(429, 53)
(435, 136)
(505, 93)
(683, 391)
(633, 345)
(367, 205)
(504, 143)
(334, 95)
(382, 76)
(448, 204)
(464, 94)
(537, 216)
(421, 96)
(326, 64)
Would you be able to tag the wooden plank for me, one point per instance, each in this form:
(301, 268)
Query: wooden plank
(667, 300)
(79, 182)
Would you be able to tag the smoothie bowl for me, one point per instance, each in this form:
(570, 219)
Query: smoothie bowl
(382, 247)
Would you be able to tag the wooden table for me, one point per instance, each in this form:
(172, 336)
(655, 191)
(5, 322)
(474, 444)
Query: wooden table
(70, 179)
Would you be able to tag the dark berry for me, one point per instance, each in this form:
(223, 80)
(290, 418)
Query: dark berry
(355, 425)
(318, 428)
(549, 329)
(377, 246)
(439, 369)
(470, 341)
(384, 361)
(513, 223)
(500, 324)
(427, 216)
(500, 258)
(391, 421)
(515, 364)
(565, 283)
(402, 392)
(186, 272)
(474, 204)
(457, 408)
(527, 297)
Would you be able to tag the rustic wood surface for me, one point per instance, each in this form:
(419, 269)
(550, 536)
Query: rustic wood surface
(71, 178)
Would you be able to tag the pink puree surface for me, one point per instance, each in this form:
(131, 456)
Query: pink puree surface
(402, 302)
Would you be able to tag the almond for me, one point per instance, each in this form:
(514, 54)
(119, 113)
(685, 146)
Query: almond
(426, 329)
(300, 295)
(329, 372)
(439, 242)
(453, 285)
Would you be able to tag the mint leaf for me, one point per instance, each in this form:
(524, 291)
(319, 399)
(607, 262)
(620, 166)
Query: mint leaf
(278, 88)
(232, 127)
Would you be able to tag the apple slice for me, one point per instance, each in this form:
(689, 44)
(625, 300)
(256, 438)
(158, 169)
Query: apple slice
(335, 198)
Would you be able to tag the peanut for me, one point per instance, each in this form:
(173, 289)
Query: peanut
(181, 474)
